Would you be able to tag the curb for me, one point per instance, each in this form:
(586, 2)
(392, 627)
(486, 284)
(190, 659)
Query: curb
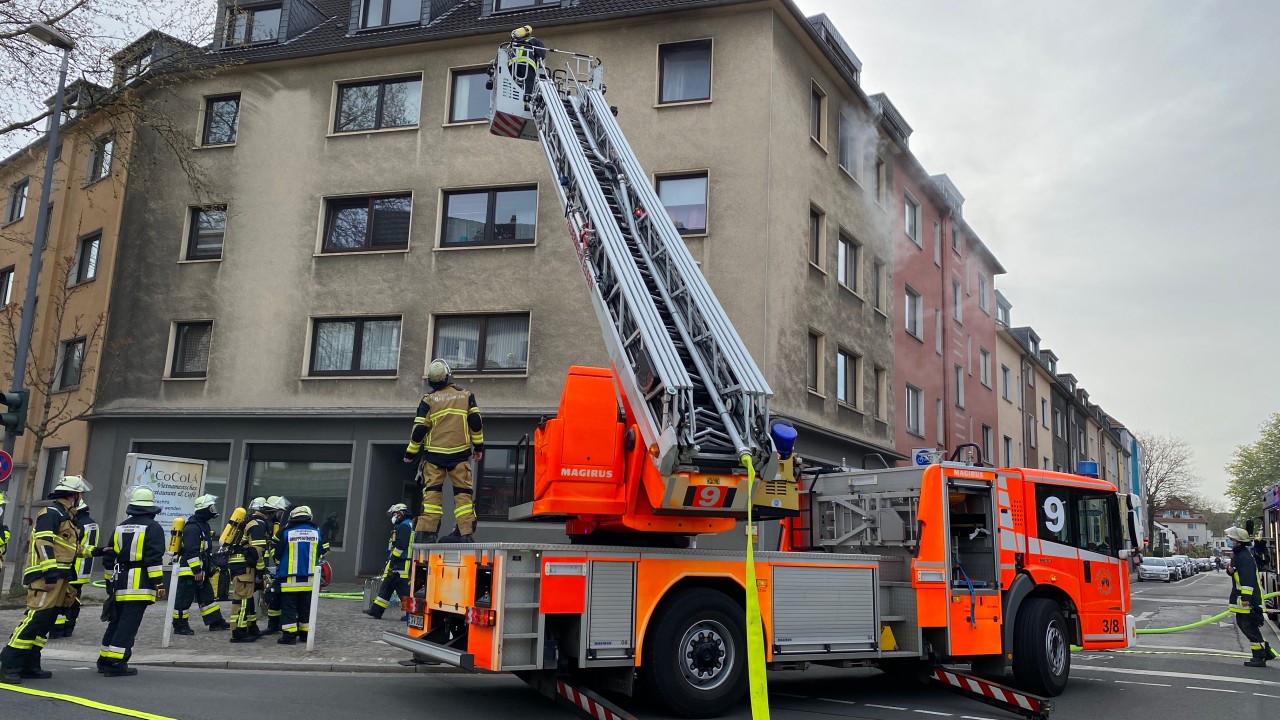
(391, 667)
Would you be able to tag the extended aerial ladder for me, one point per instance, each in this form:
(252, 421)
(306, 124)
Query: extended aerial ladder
(689, 386)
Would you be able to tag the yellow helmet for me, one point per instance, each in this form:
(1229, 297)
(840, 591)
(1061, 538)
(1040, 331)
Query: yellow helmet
(205, 501)
(300, 512)
(143, 497)
(71, 485)
(397, 508)
(439, 373)
(522, 32)
(1237, 534)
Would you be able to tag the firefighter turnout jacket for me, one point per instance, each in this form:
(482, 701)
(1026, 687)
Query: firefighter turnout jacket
(398, 547)
(298, 552)
(55, 545)
(1245, 586)
(197, 545)
(250, 551)
(136, 555)
(447, 427)
(89, 532)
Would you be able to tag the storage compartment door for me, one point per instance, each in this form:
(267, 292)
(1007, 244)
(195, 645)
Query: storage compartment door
(611, 622)
(824, 610)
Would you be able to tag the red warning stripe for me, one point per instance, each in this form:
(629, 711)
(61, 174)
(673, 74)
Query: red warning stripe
(506, 125)
(589, 704)
(991, 690)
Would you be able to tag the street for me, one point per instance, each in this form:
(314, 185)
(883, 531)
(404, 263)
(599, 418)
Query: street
(1196, 672)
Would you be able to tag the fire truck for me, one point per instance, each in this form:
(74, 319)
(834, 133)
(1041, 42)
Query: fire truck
(1267, 574)
(898, 568)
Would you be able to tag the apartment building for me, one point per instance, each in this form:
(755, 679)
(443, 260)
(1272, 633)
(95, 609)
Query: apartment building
(1016, 386)
(362, 220)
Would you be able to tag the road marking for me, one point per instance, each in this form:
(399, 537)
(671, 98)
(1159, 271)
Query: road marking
(1142, 617)
(974, 717)
(1179, 675)
(1188, 651)
(932, 712)
(1193, 687)
(1135, 682)
(886, 707)
(1266, 695)
(834, 700)
(1174, 601)
(800, 697)
(86, 702)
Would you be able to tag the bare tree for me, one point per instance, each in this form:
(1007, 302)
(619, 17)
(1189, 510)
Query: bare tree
(1168, 469)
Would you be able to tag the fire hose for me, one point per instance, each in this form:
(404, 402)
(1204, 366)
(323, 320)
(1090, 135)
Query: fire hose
(1198, 623)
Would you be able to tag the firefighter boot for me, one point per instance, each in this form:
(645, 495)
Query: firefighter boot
(33, 671)
(253, 629)
(273, 626)
(219, 624)
(11, 675)
(182, 627)
(241, 635)
(430, 537)
(288, 638)
(1259, 659)
(1268, 652)
(119, 669)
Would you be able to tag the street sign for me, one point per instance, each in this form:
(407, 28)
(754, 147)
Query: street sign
(6, 465)
(926, 456)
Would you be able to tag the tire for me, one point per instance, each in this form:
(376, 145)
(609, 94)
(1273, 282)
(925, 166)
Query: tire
(1041, 648)
(695, 662)
(1169, 579)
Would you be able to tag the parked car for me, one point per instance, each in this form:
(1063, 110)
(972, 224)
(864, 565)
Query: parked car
(1184, 563)
(1156, 569)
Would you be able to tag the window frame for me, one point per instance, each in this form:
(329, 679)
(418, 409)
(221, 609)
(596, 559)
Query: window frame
(6, 285)
(847, 146)
(363, 16)
(209, 102)
(958, 377)
(915, 408)
(18, 196)
(331, 207)
(957, 302)
(497, 6)
(1006, 382)
(63, 347)
(454, 74)
(983, 291)
(189, 253)
(175, 345)
(482, 342)
(988, 439)
(849, 269)
(850, 364)
(882, 181)
(356, 348)
(817, 233)
(881, 288)
(818, 114)
(705, 175)
(234, 10)
(911, 217)
(696, 43)
(912, 313)
(49, 477)
(816, 350)
(83, 273)
(101, 158)
(880, 376)
(490, 216)
(379, 110)
(984, 366)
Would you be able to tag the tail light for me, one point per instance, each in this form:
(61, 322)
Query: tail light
(413, 605)
(483, 617)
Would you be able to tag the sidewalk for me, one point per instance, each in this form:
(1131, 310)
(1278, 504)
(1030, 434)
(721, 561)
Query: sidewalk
(346, 640)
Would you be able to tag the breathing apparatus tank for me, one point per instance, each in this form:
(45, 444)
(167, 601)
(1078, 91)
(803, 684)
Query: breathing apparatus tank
(175, 534)
(235, 525)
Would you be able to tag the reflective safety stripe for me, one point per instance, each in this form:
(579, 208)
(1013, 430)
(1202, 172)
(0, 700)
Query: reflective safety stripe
(448, 450)
(419, 420)
(413, 448)
(462, 510)
(112, 652)
(209, 609)
(380, 603)
(179, 614)
(429, 509)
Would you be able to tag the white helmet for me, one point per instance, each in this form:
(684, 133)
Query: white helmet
(205, 501)
(143, 497)
(397, 508)
(300, 512)
(278, 502)
(71, 485)
(439, 373)
(257, 503)
(1237, 534)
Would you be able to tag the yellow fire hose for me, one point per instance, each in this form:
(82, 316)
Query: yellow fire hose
(1198, 623)
(755, 625)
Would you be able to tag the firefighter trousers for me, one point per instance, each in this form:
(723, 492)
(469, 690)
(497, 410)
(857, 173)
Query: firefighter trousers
(392, 583)
(1250, 625)
(44, 603)
(244, 610)
(433, 478)
(66, 622)
(122, 630)
(189, 590)
(295, 611)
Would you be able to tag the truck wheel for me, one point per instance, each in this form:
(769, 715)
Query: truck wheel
(695, 662)
(1041, 648)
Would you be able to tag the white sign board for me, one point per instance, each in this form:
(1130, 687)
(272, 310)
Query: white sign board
(177, 482)
(925, 456)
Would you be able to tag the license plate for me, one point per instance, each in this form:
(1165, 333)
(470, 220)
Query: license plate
(416, 621)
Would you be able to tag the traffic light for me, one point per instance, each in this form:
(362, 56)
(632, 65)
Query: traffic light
(15, 421)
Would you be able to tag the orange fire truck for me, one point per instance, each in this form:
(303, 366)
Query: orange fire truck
(898, 568)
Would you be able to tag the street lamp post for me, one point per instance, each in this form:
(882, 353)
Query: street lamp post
(54, 37)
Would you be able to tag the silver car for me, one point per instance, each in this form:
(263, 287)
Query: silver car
(1157, 569)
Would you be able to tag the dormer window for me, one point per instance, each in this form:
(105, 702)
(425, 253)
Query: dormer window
(137, 65)
(247, 26)
(507, 5)
(379, 13)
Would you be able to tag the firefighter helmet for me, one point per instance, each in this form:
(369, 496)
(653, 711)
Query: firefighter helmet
(205, 501)
(277, 502)
(397, 508)
(439, 373)
(302, 512)
(1237, 534)
(257, 503)
(71, 485)
(522, 32)
(143, 497)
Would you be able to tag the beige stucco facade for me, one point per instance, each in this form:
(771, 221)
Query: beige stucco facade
(1012, 391)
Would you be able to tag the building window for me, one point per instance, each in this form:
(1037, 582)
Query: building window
(375, 222)
(6, 286)
(986, 444)
(468, 99)
(912, 313)
(937, 331)
(817, 349)
(246, 26)
(483, 343)
(882, 285)
(849, 263)
(502, 216)
(55, 466)
(1031, 430)
(355, 346)
(1059, 425)
(881, 409)
(100, 153)
(378, 104)
(1044, 413)
(87, 258)
(377, 13)
(957, 308)
(955, 240)
(849, 378)
(817, 114)
(685, 199)
(817, 219)
(848, 149)
(498, 488)
(984, 366)
(912, 219)
(208, 228)
(505, 5)
(191, 349)
(937, 243)
(221, 115)
(1005, 381)
(1008, 452)
(958, 379)
(880, 181)
(684, 71)
(17, 201)
(318, 476)
(915, 410)
(983, 304)
(70, 363)
(941, 420)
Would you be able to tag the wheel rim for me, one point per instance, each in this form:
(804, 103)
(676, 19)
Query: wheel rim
(1055, 646)
(707, 655)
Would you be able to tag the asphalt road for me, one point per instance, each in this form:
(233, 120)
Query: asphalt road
(1195, 674)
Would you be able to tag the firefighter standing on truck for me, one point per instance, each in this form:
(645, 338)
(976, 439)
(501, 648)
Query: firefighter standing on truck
(1246, 597)
(196, 560)
(446, 430)
(247, 567)
(66, 623)
(136, 558)
(298, 552)
(395, 577)
(55, 545)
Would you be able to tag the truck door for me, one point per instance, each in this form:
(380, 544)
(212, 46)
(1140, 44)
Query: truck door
(1104, 575)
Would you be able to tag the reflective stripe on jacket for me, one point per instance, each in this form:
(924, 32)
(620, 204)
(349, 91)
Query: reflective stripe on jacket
(298, 550)
(1244, 577)
(197, 546)
(447, 427)
(55, 543)
(252, 552)
(137, 557)
(398, 547)
(88, 541)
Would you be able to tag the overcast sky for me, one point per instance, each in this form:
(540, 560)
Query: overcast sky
(1122, 161)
